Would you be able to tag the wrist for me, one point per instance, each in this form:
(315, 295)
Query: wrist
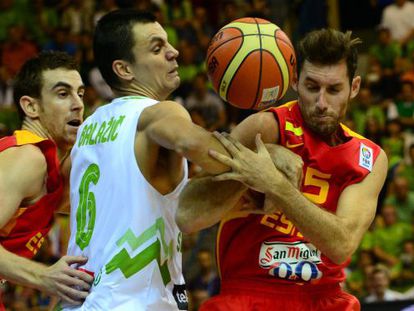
(283, 194)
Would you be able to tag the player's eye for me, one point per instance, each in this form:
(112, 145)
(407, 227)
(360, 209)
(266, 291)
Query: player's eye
(62, 94)
(312, 88)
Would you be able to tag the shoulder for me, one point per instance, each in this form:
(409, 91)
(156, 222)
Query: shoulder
(264, 123)
(25, 154)
(25, 165)
(161, 110)
(376, 177)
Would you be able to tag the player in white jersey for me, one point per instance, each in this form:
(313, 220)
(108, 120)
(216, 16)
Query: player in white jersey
(128, 168)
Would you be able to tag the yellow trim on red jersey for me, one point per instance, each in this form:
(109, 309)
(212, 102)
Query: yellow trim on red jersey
(24, 137)
(289, 104)
(295, 130)
(351, 132)
(12, 222)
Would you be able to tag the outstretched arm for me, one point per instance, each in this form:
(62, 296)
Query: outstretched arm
(18, 185)
(204, 201)
(169, 125)
(336, 235)
(59, 279)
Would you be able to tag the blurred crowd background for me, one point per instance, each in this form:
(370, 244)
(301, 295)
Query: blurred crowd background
(383, 267)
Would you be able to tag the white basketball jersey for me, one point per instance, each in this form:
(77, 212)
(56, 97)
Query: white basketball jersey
(122, 224)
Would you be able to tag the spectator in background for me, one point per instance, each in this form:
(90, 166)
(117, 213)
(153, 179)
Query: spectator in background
(179, 13)
(403, 107)
(206, 283)
(402, 199)
(202, 27)
(388, 240)
(355, 280)
(380, 281)
(373, 130)
(6, 88)
(312, 15)
(188, 67)
(98, 83)
(229, 12)
(406, 168)
(399, 19)
(169, 29)
(76, 17)
(92, 100)
(84, 54)
(47, 19)
(366, 108)
(393, 142)
(16, 50)
(405, 279)
(104, 7)
(258, 8)
(8, 17)
(387, 55)
(385, 51)
(60, 41)
(206, 103)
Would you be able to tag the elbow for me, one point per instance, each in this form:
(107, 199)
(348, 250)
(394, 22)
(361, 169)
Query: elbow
(338, 259)
(342, 253)
(185, 225)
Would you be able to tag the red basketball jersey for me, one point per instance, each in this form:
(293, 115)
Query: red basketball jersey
(268, 249)
(24, 233)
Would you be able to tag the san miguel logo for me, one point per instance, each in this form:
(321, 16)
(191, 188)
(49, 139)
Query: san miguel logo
(297, 261)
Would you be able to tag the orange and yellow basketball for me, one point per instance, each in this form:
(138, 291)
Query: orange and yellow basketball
(250, 63)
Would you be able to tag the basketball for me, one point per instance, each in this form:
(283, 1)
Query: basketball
(250, 63)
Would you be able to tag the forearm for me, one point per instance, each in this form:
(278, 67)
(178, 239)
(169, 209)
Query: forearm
(204, 202)
(195, 148)
(322, 228)
(189, 140)
(20, 270)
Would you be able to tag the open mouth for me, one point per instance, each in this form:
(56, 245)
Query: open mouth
(173, 70)
(74, 122)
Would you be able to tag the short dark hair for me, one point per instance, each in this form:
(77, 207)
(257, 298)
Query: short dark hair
(29, 80)
(328, 47)
(113, 39)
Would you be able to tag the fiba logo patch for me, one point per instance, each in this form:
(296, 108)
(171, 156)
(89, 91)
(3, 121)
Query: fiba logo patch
(366, 153)
(365, 157)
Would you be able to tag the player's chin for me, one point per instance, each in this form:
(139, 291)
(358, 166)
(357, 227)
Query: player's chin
(326, 130)
(174, 83)
(71, 140)
(70, 137)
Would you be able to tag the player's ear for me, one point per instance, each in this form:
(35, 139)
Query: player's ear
(355, 85)
(122, 69)
(30, 106)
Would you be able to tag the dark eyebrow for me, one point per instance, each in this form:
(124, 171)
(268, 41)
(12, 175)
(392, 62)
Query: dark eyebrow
(309, 79)
(157, 39)
(66, 85)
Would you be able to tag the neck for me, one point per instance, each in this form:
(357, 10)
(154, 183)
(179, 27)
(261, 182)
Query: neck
(335, 139)
(134, 90)
(36, 127)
